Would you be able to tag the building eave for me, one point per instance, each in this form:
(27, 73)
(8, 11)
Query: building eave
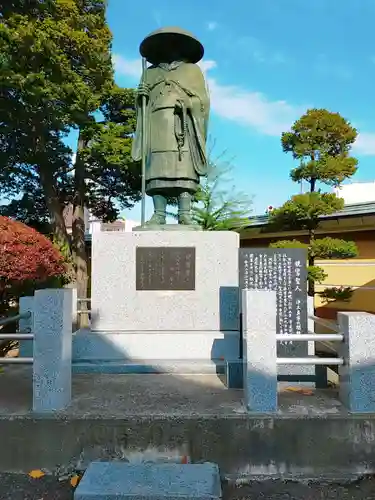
(355, 217)
(353, 210)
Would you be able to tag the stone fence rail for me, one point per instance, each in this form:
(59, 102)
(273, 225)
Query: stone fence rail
(46, 320)
(356, 350)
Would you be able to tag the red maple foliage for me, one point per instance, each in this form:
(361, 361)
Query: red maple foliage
(26, 256)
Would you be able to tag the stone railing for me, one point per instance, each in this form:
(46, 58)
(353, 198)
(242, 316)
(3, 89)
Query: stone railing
(45, 324)
(356, 349)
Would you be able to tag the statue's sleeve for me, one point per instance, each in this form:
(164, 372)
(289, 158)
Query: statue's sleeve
(200, 99)
(137, 140)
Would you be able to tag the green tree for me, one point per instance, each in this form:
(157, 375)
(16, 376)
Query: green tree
(56, 64)
(28, 261)
(56, 73)
(105, 176)
(31, 210)
(112, 179)
(321, 142)
(219, 206)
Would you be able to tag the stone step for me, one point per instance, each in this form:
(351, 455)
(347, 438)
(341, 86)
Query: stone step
(182, 367)
(121, 480)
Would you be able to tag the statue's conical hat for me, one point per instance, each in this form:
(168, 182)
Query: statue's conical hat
(157, 46)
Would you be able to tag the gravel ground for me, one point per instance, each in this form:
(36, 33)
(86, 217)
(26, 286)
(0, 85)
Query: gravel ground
(22, 487)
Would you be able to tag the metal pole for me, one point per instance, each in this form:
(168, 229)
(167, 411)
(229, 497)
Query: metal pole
(310, 361)
(16, 361)
(144, 103)
(16, 336)
(12, 319)
(307, 337)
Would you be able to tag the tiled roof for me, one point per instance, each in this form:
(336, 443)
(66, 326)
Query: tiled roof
(353, 210)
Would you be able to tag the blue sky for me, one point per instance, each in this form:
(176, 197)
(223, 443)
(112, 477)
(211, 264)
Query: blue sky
(267, 62)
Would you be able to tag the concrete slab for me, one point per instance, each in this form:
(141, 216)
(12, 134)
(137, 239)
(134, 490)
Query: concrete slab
(114, 396)
(174, 419)
(123, 481)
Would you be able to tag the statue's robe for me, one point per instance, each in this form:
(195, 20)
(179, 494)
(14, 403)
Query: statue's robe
(176, 128)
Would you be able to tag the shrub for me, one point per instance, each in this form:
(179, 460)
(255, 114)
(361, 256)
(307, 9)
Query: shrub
(28, 261)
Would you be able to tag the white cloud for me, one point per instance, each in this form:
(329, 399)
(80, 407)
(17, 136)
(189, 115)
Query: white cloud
(128, 67)
(207, 65)
(365, 144)
(257, 50)
(212, 25)
(157, 17)
(252, 109)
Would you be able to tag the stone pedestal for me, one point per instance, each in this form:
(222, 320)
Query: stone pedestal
(52, 350)
(130, 321)
(123, 481)
(357, 375)
(259, 350)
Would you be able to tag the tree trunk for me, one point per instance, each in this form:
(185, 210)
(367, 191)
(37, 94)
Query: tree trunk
(311, 284)
(78, 234)
(55, 209)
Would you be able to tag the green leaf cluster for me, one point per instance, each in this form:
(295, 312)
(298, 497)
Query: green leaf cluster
(321, 142)
(322, 248)
(56, 75)
(303, 211)
(333, 248)
(343, 294)
(218, 207)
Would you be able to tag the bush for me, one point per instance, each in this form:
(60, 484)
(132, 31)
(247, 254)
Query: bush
(28, 261)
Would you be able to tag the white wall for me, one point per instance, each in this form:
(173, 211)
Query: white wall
(357, 192)
(94, 225)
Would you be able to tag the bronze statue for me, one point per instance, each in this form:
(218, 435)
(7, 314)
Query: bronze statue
(172, 135)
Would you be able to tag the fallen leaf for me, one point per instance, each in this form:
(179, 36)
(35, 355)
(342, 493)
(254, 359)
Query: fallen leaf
(75, 480)
(36, 474)
(300, 390)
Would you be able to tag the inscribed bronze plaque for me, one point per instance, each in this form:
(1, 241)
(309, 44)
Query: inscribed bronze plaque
(165, 268)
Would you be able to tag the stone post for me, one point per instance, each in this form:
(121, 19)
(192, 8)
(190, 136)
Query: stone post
(74, 309)
(26, 304)
(73, 287)
(52, 367)
(357, 375)
(259, 350)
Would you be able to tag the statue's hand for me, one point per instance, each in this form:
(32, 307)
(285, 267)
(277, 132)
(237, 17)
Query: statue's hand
(143, 90)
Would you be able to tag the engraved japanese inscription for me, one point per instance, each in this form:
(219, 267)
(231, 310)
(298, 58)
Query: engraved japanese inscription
(165, 268)
(282, 270)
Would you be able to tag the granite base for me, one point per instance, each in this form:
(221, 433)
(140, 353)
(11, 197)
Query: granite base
(123, 481)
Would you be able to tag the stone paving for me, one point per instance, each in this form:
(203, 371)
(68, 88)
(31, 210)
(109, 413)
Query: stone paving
(120, 395)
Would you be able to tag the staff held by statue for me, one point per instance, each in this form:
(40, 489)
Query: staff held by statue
(144, 104)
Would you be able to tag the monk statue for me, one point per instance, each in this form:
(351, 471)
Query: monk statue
(174, 131)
